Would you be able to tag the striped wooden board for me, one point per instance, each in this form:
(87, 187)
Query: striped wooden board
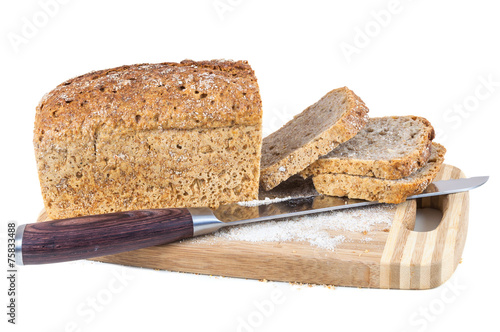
(395, 257)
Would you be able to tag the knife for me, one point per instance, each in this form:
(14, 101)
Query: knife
(107, 234)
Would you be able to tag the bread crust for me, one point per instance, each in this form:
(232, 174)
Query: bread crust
(348, 125)
(381, 190)
(186, 95)
(392, 169)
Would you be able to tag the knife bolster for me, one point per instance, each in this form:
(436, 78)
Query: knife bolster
(204, 221)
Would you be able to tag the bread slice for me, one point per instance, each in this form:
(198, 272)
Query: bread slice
(389, 148)
(382, 190)
(334, 119)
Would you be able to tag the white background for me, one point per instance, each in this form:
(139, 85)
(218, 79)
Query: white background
(426, 58)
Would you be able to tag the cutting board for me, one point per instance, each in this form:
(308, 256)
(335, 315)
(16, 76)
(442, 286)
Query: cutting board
(395, 257)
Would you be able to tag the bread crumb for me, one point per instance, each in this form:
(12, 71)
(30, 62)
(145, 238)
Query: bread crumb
(364, 252)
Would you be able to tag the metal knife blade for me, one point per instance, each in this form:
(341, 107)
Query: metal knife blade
(283, 207)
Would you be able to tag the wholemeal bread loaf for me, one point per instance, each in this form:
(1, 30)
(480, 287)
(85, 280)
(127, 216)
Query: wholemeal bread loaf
(382, 190)
(334, 119)
(150, 136)
(387, 147)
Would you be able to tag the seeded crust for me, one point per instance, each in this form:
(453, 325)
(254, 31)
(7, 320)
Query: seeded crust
(387, 147)
(385, 191)
(150, 136)
(334, 119)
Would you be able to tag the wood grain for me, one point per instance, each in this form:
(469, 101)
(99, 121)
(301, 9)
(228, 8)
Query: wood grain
(98, 235)
(397, 258)
(422, 260)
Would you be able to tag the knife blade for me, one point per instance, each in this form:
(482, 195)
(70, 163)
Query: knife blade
(106, 234)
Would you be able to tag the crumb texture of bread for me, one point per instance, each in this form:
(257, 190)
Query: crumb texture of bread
(387, 147)
(334, 119)
(382, 190)
(150, 136)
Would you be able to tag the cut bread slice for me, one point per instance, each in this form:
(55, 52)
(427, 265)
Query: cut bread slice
(334, 119)
(388, 148)
(382, 190)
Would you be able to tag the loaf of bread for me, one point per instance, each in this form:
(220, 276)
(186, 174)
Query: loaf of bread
(382, 190)
(334, 119)
(150, 136)
(389, 147)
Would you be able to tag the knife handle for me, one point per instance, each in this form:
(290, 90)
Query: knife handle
(99, 235)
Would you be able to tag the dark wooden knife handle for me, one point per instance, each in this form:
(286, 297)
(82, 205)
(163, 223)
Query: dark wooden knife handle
(99, 235)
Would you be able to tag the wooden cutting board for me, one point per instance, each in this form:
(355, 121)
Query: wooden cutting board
(395, 257)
